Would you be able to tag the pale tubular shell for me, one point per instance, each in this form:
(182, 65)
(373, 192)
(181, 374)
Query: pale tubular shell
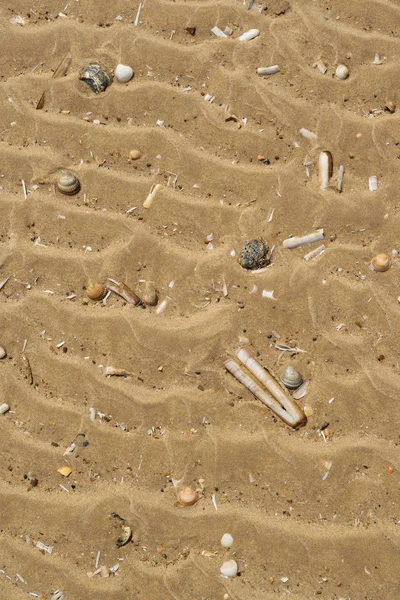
(325, 167)
(150, 296)
(3, 352)
(373, 183)
(187, 496)
(342, 72)
(226, 540)
(123, 73)
(291, 378)
(229, 568)
(268, 70)
(380, 262)
(310, 135)
(68, 183)
(96, 291)
(296, 242)
(218, 33)
(4, 408)
(249, 35)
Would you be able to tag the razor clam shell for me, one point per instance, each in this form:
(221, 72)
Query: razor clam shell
(325, 167)
(268, 70)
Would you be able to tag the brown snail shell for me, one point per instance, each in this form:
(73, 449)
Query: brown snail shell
(150, 296)
(68, 183)
(187, 496)
(96, 291)
(380, 262)
(291, 378)
(96, 76)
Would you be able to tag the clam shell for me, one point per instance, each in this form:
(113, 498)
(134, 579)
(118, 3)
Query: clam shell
(68, 183)
(229, 568)
(226, 540)
(96, 76)
(254, 254)
(187, 497)
(96, 291)
(123, 73)
(291, 378)
(380, 262)
(342, 72)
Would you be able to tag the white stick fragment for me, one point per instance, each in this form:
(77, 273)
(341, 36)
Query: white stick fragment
(249, 35)
(311, 238)
(93, 414)
(41, 546)
(214, 501)
(97, 560)
(373, 183)
(136, 21)
(64, 488)
(307, 134)
(268, 294)
(24, 188)
(314, 253)
(325, 167)
(271, 215)
(3, 283)
(321, 67)
(162, 306)
(268, 70)
(218, 33)
(340, 178)
(156, 187)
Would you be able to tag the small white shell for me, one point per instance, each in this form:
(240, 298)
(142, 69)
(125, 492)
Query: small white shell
(226, 540)
(291, 378)
(68, 183)
(373, 183)
(4, 408)
(123, 73)
(380, 262)
(342, 72)
(3, 352)
(187, 496)
(249, 35)
(229, 568)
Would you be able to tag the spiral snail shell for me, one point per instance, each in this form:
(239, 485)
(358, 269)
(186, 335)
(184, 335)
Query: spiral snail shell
(291, 378)
(380, 262)
(96, 77)
(187, 496)
(96, 291)
(68, 183)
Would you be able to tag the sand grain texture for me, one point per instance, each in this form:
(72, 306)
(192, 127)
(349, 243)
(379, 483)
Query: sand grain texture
(181, 417)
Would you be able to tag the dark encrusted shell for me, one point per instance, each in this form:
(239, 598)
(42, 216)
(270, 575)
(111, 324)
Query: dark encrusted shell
(254, 254)
(95, 75)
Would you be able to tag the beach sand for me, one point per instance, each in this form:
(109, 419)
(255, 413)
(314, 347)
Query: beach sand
(312, 513)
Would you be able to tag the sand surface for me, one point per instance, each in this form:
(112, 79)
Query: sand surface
(311, 514)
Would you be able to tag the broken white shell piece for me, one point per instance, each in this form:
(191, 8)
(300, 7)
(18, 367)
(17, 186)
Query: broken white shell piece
(162, 306)
(325, 167)
(377, 60)
(296, 241)
(110, 371)
(4, 408)
(156, 187)
(268, 70)
(340, 178)
(229, 568)
(268, 294)
(322, 68)
(93, 414)
(308, 134)
(301, 391)
(249, 35)
(373, 183)
(314, 253)
(41, 546)
(228, 31)
(217, 32)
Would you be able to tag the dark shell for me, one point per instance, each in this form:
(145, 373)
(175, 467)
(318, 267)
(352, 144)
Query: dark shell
(254, 254)
(96, 77)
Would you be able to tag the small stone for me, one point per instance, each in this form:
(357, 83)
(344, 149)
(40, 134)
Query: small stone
(135, 154)
(254, 254)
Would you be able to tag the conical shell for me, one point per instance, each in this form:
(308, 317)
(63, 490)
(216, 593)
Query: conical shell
(291, 378)
(68, 183)
(187, 497)
(96, 291)
(380, 262)
(96, 76)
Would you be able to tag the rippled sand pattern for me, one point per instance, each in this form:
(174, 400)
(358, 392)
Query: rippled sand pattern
(320, 510)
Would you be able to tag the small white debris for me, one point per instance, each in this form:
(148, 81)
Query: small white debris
(41, 546)
(171, 284)
(325, 476)
(97, 560)
(218, 33)
(268, 70)
(331, 400)
(162, 306)
(24, 188)
(268, 294)
(48, 292)
(209, 98)
(321, 67)
(214, 501)
(373, 183)
(249, 35)
(232, 253)
(314, 253)
(17, 20)
(271, 215)
(60, 344)
(92, 414)
(307, 134)
(160, 123)
(284, 579)
(377, 60)
(4, 408)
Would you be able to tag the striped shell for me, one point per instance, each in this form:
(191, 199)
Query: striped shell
(380, 262)
(291, 378)
(96, 77)
(68, 183)
(96, 291)
(187, 497)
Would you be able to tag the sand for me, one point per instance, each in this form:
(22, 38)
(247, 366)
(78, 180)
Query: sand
(311, 514)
